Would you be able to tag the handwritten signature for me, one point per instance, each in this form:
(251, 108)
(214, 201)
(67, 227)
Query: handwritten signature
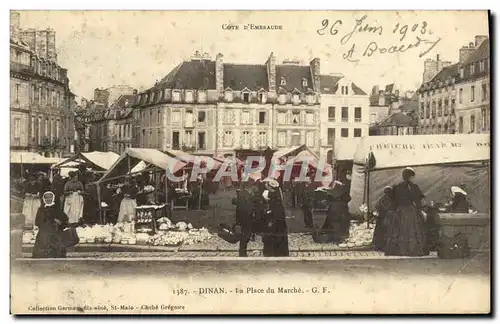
(417, 31)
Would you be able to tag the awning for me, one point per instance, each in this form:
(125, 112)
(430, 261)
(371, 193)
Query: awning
(292, 151)
(31, 158)
(191, 159)
(132, 157)
(100, 161)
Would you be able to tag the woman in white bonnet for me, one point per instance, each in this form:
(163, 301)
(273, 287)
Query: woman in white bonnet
(276, 238)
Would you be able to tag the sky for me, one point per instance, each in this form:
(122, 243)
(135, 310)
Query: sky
(105, 48)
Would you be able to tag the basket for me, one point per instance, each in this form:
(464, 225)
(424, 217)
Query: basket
(227, 234)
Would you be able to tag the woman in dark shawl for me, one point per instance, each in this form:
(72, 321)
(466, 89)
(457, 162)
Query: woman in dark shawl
(384, 206)
(337, 220)
(50, 221)
(276, 237)
(406, 234)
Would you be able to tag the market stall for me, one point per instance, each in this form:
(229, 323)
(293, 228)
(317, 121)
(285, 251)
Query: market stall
(97, 162)
(158, 167)
(439, 161)
(22, 161)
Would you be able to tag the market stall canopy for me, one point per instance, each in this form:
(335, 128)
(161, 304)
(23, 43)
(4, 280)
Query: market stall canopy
(31, 158)
(292, 151)
(345, 148)
(96, 160)
(132, 157)
(190, 159)
(228, 160)
(419, 150)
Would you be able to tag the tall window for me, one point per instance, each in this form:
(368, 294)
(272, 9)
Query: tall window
(39, 130)
(460, 125)
(201, 141)
(331, 136)
(189, 96)
(472, 124)
(46, 134)
(344, 132)
(245, 117)
(331, 113)
(345, 114)
(433, 109)
(345, 90)
(446, 107)
(202, 116)
(310, 139)
(245, 138)
(357, 114)
(472, 93)
(461, 72)
(262, 139)
(281, 138)
(460, 95)
(483, 119)
(228, 139)
(262, 117)
(176, 116)
(188, 140)
(440, 108)
(422, 110)
(54, 103)
(357, 132)
(481, 66)
(17, 129)
(484, 92)
(428, 110)
(18, 91)
(296, 117)
(309, 118)
(229, 116)
(33, 123)
(472, 69)
(281, 118)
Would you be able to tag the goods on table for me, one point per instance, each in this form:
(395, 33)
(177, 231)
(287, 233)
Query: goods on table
(29, 237)
(180, 237)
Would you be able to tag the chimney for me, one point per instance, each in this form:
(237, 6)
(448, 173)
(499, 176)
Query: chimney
(219, 74)
(479, 39)
(271, 72)
(430, 69)
(315, 68)
(381, 98)
(51, 45)
(15, 25)
(375, 90)
(465, 52)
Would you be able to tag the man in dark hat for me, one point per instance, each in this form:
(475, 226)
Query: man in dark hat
(245, 211)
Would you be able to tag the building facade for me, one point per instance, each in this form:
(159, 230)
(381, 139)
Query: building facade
(345, 115)
(206, 106)
(121, 123)
(41, 101)
(463, 87)
(473, 102)
(399, 123)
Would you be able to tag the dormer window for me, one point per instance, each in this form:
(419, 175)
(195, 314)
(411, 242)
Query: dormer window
(202, 96)
(228, 95)
(472, 69)
(310, 99)
(481, 66)
(296, 99)
(304, 82)
(246, 97)
(188, 96)
(176, 96)
(283, 81)
(461, 72)
(262, 97)
(282, 99)
(345, 90)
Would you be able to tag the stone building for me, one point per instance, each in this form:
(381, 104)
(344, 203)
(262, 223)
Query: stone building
(463, 87)
(433, 67)
(41, 101)
(120, 116)
(210, 107)
(473, 83)
(344, 117)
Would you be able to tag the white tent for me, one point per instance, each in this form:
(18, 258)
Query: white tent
(97, 160)
(31, 158)
(440, 161)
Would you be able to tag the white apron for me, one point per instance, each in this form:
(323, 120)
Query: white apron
(30, 208)
(73, 207)
(127, 210)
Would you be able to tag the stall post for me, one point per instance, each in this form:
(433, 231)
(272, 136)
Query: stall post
(99, 206)
(166, 194)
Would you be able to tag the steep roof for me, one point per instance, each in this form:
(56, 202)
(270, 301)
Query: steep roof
(329, 85)
(293, 75)
(123, 101)
(399, 119)
(481, 53)
(241, 76)
(194, 74)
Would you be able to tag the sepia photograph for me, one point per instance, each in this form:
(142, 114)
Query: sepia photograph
(249, 162)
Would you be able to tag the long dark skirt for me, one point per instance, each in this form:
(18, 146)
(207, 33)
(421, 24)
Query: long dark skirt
(406, 233)
(337, 223)
(48, 244)
(380, 232)
(276, 240)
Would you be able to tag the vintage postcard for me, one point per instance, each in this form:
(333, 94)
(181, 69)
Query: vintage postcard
(250, 162)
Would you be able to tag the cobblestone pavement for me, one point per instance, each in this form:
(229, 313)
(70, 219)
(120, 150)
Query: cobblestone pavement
(226, 254)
